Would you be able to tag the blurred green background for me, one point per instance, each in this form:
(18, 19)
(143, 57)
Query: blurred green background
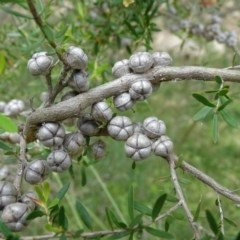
(99, 28)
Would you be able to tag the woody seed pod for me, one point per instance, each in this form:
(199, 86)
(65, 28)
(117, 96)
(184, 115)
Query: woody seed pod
(88, 126)
(163, 146)
(29, 199)
(138, 146)
(76, 58)
(123, 101)
(51, 134)
(36, 171)
(14, 107)
(120, 128)
(98, 149)
(8, 194)
(140, 90)
(141, 62)
(153, 127)
(121, 68)
(59, 161)
(101, 112)
(40, 64)
(2, 106)
(14, 216)
(161, 59)
(4, 172)
(79, 81)
(74, 143)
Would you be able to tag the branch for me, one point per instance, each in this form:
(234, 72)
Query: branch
(74, 106)
(179, 193)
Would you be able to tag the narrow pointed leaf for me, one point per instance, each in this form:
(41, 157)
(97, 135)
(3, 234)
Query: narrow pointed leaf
(136, 221)
(84, 176)
(61, 193)
(159, 233)
(203, 100)
(109, 218)
(224, 104)
(131, 203)
(228, 119)
(197, 212)
(63, 221)
(2, 62)
(227, 220)
(84, 215)
(5, 230)
(218, 80)
(215, 132)
(35, 214)
(158, 205)
(4, 146)
(140, 207)
(114, 220)
(15, 13)
(212, 222)
(202, 113)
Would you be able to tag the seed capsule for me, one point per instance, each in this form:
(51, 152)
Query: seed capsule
(8, 194)
(51, 134)
(98, 149)
(140, 90)
(40, 64)
(121, 68)
(101, 112)
(88, 126)
(153, 127)
(14, 216)
(161, 59)
(2, 106)
(29, 198)
(36, 171)
(74, 143)
(120, 128)
(123, 101)
(141, 62)
(163, 146)
(79, 81)
(76, 58)
(14, 107)
(138, 146)
(59, 161)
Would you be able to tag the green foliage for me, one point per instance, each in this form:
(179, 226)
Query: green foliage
(84, 215)
(7, 124)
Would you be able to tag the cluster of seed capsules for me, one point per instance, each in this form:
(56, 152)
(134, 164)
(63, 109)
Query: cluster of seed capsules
(12, 108)
(140, 138)
(211, 31)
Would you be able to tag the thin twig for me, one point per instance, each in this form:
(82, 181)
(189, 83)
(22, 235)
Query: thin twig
(21, 163)
(41, 25)
(171, 161)
(221, 214)
(49, 83)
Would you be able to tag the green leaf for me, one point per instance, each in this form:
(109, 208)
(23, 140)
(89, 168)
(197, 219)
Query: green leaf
(172, 198)
(61, 193)
(4, 146)
(215, 128)
(212, 222)
(218, 80)
(230, 222)
(140, 207)
(202, 113)
(136, 221)
(203, 100)
(228, 118)
(40, 194)
(197, 212)
(83, 214)
(5, 230)
(53, 203)
(49, 32)
(63, 221)
(159, 233)
(109, 218)
(35, 214)
(238, 236)
(7, 124)
(2, 62)
(46, 190)
(113, 219)
(131, 203)
(223, 105)
(15, 13)
(84, 176)
(157, 207)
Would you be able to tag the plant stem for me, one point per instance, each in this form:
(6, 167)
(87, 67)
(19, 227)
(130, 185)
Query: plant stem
(106, 191)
